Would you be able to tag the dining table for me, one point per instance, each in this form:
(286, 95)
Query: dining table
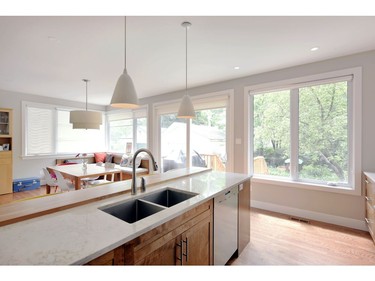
(77, 172)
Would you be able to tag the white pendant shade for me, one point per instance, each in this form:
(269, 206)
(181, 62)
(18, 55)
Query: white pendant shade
(186, 109)
(124, 95)
(83, 119)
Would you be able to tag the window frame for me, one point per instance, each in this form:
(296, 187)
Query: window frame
(134, 115)
(54, 109)
(355, 133)
(171, 107)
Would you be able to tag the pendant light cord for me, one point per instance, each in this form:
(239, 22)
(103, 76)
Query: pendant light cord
(186, 47)
(125, 42)
(85, 80)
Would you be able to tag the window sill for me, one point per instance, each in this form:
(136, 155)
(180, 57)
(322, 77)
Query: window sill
(304, 185)
(47, 156)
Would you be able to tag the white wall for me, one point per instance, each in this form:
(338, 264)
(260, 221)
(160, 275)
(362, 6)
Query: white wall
(331, 207)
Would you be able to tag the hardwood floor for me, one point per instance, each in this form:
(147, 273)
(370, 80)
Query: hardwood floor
(277, 240)
(16, 196)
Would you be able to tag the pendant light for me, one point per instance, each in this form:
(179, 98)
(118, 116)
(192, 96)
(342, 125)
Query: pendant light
(85, 119)
(124, 95)
(186, 109)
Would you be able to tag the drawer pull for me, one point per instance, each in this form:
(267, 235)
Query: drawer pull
(367, 182)
(368, 199)
(367, 220)
(181, 249)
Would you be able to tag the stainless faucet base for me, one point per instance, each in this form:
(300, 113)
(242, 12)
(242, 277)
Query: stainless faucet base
(134, 180)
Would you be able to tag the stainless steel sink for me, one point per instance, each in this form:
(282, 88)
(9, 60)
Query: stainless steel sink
(169, 197)
(133, 210)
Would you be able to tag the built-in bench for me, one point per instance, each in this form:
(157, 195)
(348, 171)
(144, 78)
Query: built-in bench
(143, 169)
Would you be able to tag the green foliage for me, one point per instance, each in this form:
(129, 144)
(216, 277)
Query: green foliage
(323, 130)
(211, 117)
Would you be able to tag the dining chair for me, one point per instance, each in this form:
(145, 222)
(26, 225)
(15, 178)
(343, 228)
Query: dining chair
(63, 183)
(49, 179)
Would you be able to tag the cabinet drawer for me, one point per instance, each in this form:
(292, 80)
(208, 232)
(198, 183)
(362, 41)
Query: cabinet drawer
(370, 218)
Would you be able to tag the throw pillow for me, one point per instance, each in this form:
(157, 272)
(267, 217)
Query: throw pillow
(108, 158)
(124, 160)
(100, 157)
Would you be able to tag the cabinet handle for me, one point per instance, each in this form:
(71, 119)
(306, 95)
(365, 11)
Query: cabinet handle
(367, 182)
(367, 220)
(186, 247)
(180, 245)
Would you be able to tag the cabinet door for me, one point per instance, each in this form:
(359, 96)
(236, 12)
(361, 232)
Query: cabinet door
(114, 257)
(166, 254)
(197, 244)
(6, 180)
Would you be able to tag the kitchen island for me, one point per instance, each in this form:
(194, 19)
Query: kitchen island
(83, 233)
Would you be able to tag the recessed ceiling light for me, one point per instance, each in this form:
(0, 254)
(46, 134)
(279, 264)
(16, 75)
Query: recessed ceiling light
(314, 49)
(236, 67)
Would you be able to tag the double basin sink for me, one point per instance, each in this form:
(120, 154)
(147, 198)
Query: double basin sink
(134, 210)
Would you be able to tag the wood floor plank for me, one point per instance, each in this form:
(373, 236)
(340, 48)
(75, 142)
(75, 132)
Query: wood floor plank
(277, 240)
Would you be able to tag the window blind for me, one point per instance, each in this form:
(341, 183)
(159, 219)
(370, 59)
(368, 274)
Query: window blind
(39, 131)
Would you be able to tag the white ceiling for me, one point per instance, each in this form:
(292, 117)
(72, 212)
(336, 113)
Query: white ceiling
(49, 56)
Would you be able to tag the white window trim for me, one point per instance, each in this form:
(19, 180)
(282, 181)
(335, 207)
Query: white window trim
(24, 122)
(134, 114)
(171, 106)
(355, 140)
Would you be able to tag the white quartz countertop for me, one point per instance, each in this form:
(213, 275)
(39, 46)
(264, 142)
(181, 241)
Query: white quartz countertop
(80, 234)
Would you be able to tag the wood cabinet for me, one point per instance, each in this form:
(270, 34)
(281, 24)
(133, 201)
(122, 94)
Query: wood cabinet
(6, 156)
(370, 204)
(243, 215)
(114, 257)
(184, 240)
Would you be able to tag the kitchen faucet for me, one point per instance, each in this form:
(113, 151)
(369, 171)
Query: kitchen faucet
(134, 180)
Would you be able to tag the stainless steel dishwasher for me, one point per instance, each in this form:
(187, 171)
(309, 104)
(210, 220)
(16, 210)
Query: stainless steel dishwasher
(225, 226)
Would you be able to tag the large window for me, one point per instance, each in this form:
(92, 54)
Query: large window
(173, 142)
(305, 132)
(127, 130)
(47, 131)
(206, 135)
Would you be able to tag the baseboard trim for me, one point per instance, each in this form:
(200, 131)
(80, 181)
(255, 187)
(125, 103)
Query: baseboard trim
(342, 221)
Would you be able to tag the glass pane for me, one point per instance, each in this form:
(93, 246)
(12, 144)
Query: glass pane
(120, 134)
(173, 142)
(4, 123)
(71, 140)
(141, 133)
(323, 133)
(208, 139)
(272, 134)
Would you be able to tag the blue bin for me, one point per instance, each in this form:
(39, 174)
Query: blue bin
(26, 184)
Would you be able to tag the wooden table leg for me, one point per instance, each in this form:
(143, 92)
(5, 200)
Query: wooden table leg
(77, 183)
(48, 189)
